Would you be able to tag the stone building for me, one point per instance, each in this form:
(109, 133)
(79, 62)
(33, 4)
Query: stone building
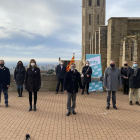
(119, 40)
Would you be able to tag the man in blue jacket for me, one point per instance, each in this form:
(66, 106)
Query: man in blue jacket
(71, 84)
(4, 81)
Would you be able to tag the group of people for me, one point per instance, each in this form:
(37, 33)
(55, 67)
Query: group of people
(71, 81)
(30, 77)
(128, 76)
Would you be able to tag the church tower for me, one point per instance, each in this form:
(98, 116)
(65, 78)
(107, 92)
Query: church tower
(93, 15)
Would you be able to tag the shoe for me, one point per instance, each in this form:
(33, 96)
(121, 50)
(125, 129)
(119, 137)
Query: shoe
(107, 107)
(82, 93)
(56, 92)
(61, 92)
(68, 113)
(87, 93)
(30, 108)
(137, 103)
(115, 107)
(34, 107)
(131, 103)
(74, 112)
(6, 105)
(124, 93)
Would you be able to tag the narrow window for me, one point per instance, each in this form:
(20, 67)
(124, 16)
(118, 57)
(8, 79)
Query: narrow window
(132, 51)
(90, 2)
(89, 19)
(89, 35)
(98, 2)
(98, 19)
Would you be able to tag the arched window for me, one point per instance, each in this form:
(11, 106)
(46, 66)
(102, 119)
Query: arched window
(90, 2)
(98, 2)
(132, 50)
(98, 19)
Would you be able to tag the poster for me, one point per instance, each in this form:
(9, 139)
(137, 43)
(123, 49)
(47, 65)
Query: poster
(95, 64)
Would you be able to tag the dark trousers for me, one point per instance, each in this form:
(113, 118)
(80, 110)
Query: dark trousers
(19, 86)
(126, 89)
(30, 98)
(113, 97)
(87, 86)
(58, 84)
(71, 97)
(5, 92)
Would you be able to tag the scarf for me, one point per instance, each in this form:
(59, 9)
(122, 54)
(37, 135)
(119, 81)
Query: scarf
(135, 70)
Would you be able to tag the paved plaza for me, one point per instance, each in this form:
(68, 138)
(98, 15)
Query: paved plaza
(49, 122)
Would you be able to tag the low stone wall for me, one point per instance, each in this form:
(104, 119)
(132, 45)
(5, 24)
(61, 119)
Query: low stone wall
(48, 83)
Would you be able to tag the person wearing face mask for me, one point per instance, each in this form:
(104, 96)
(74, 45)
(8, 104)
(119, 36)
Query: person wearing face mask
(19, 77)
(4, 81)
(134, 82)
(60, 72)
(112, 81)
(32, 82)
(125, 80)
(71, 84)
(86, 74)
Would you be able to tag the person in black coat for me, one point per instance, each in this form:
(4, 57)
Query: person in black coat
(125, 80)
(71, 84)
(19, 77)
(60, 72)
(33, 82)
(86, 74)
(4, 81)
(134, 82)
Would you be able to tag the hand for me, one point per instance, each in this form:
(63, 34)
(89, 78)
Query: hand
(87, 75)
(65, 91)
(126, 77)
(81, 90)
(104, 86)
(14, 80)
(8, 86)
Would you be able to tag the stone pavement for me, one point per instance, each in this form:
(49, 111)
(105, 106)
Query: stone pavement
(49, 122)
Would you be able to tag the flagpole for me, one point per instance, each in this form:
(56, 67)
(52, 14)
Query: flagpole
(74, 57)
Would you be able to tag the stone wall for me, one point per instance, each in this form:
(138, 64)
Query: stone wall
(48, 83)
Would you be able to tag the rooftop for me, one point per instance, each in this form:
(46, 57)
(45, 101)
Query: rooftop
(50, 122)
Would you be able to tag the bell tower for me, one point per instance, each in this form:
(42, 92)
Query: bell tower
(93, 15)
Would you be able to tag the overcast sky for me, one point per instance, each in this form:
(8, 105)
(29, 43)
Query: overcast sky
(47, 29)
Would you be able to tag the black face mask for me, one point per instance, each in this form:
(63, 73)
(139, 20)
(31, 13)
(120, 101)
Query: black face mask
(125, 64)
(112, 65)
(19, 64)
(1, 65)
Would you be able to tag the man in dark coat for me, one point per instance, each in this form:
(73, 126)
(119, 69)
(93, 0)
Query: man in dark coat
(60, 72)
(4, 81)
(19, 77)
(71, 84)
(134, 82)
(86, 74)
(125, 80)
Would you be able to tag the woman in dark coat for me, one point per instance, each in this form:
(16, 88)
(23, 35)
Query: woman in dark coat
(19, 77)
(33, 82)
(86, 74)
(125, 80)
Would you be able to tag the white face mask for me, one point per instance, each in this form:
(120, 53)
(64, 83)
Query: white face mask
(87, 64)
(32, 64)
(61, 63)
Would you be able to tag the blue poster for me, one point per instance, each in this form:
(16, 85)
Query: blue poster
(95, 64)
